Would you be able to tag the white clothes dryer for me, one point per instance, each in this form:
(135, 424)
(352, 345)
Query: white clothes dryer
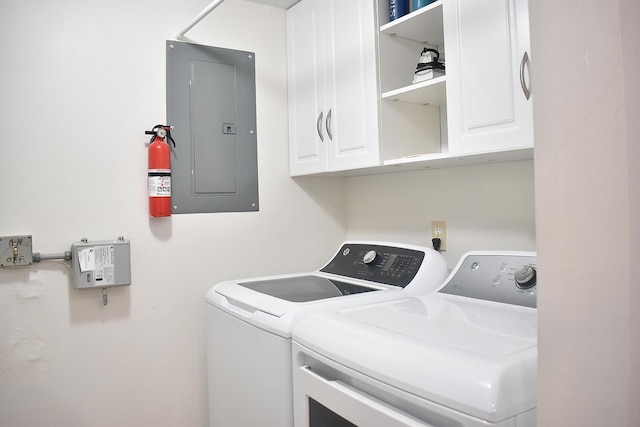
(465, 355)
(249, 323)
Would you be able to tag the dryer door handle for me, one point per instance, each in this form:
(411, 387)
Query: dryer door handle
(333, 394)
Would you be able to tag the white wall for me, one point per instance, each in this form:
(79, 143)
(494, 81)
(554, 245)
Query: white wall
(81, 81)
(585, 68)
(485, 207)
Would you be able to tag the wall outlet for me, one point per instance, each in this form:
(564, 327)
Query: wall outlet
(439, 231)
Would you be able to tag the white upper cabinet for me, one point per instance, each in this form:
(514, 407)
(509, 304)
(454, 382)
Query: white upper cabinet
(488, 104)
(349, 113)
(333, 92)
(479, 111)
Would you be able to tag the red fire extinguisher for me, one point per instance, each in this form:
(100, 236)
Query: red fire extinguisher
(160, 171)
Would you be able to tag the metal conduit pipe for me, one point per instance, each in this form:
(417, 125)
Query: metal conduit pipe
(199, 17)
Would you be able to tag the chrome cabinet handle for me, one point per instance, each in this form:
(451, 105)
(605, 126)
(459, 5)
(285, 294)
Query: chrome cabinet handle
(525, 89)
(319, 126)
(329, 125)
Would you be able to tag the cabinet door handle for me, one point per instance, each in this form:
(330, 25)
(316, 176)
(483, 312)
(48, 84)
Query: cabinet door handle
(329, 125)
(525, 89)
(319, 126)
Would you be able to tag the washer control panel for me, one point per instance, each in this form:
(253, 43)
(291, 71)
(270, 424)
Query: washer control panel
(389, 265)
(509, 278)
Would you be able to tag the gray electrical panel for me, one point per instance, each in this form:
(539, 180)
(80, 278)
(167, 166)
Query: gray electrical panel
(211, 105)
(101, 264)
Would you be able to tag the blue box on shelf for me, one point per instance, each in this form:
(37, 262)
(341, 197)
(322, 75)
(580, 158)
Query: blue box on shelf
(417, 4)
(398, 8)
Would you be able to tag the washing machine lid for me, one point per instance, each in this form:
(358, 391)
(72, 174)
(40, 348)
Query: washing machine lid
(304, 288)
(476, 357)
(279, 295)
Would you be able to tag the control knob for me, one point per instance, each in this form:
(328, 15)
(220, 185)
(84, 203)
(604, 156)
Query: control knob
(370, 257)
(525, 277)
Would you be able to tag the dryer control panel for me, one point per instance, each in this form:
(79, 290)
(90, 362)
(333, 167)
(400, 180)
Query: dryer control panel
(509, 277)
(389, 265)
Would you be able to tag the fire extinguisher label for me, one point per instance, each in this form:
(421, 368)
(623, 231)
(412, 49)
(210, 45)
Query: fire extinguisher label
(159, 184)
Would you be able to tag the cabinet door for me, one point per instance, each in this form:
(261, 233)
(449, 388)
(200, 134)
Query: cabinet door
(352, 118)
(333, 91)
(306, 83)
(487, 107)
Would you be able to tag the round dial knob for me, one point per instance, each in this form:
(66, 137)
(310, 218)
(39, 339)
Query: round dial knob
(370, 257)
(525, 277)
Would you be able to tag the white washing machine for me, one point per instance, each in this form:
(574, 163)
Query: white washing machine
(249, 323)
(465, 355)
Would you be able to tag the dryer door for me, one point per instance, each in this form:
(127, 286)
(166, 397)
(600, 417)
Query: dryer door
(320, 401)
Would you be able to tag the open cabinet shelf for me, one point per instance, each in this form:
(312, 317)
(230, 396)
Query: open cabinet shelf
(430, 92)
(423, 25)
(413, 115)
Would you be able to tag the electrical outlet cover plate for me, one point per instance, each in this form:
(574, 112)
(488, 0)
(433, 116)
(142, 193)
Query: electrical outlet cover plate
(439, 231)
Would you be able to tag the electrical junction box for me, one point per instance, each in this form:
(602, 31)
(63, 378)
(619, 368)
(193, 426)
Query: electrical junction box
(101, 264)
(16, 251)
